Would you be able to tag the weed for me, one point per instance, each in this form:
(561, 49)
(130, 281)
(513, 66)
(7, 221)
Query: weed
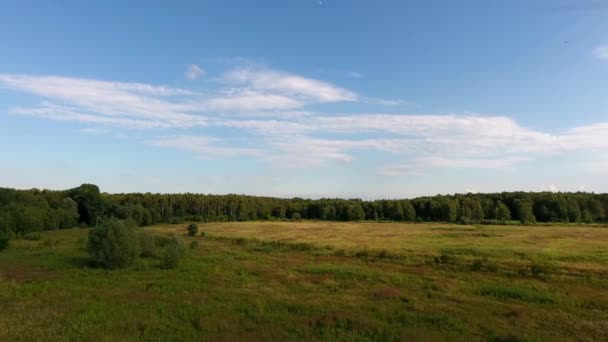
(32, 237)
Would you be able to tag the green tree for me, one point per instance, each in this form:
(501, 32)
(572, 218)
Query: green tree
(502, 212)
(524, 211)
(90, 203)
(409, 213)
(114, 243)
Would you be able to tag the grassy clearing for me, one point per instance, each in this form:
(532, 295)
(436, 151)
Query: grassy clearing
(317, 281)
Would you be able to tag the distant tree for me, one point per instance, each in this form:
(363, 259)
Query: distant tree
(114, 243)
(328, 212)
(355, 212)
(68, 214)
(409, 214)
(524, 211)
(192, 229)
(574, 210)
(90, 203)
(502, 212)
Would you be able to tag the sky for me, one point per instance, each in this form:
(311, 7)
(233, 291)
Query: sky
(324, 98)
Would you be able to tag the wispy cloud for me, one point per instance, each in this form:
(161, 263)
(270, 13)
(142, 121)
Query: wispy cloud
(601, 52)
(194, 72)
(272, 109)
(203, 146)
(252, 101)
(289, 84)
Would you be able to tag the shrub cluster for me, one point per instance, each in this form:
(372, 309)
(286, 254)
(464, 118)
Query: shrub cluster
(192, 229)
(114, 243)
(174, 252)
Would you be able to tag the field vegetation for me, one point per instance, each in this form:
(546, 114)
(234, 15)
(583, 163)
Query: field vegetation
(310, 280)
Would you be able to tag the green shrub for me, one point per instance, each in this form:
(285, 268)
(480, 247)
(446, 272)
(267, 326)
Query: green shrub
(445, 259)
(362, 254)
(4, 241)
(529, 295)
(161, 241)
(384, 254)
(194, 244)
(147, 243)
(477, 265)
(465, 220)
(296, 217)
(113, 243)
(49, 243)
(203, 234)
(192, 229)
(32, 237)
(541, 269)
(174, 252)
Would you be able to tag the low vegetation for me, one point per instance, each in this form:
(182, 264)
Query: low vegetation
(192, 229)
(114, 243)
(309, 281)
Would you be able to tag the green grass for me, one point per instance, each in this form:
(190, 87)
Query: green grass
(317, 281)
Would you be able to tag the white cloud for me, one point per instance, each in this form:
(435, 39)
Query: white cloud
(399, 170)
(601, 52)
(289, 84)
(386, 102)
(550, 188)
(203, 146)
(271, 107)
(194, 72)
(58, 113)
(108, 98)
(252, 101)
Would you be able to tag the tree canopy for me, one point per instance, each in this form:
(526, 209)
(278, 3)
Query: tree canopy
(24, 211)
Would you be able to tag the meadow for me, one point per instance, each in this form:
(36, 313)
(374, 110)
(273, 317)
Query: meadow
(315, 280)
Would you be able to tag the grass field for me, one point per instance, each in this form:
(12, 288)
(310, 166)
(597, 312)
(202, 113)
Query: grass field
(318, 281)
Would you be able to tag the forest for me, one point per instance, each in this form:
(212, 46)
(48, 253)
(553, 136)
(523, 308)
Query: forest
(25, 211)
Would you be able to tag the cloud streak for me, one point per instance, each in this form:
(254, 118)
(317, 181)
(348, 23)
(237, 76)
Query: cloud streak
(270, 110)
(194, 72)
(601, 52)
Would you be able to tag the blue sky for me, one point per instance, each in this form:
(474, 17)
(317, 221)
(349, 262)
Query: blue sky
(368, 99)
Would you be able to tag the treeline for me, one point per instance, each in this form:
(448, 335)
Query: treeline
(24, 211)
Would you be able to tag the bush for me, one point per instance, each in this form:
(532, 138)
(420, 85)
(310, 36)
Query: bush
(174, 252)
(192, 229)
(362, 253)
(162, 241)
(32, 237)
(445, 259)
(148, 246)
(194, 244)
(477, 265)
(541, 269)
(296, 217)
(113, 243)
(4, 241)
(203, 234)
(49, 243)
